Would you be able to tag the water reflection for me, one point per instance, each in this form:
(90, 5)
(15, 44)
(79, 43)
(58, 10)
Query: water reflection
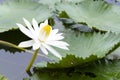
(13, 65)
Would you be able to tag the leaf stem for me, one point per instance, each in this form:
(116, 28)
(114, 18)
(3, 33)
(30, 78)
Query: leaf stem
(32, 60)
(19, 48)
(11, 45)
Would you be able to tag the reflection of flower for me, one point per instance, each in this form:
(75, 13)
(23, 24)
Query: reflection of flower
(43, 37)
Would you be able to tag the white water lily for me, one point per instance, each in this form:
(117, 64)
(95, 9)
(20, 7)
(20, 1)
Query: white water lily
(43, 37)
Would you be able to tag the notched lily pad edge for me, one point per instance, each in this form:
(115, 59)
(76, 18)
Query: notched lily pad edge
(72, 62)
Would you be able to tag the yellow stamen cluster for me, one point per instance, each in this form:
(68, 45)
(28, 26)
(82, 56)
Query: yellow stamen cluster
(47, 30)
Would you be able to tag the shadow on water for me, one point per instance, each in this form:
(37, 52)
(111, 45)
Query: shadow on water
(13, 66)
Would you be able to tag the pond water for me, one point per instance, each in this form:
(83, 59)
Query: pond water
(13, 66)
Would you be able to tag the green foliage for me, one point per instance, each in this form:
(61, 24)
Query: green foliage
(84, 47)
(98, 70)
(72, 1)
(50, 3)
(104, 69)
(12, 12)
(3, 78)
(95, 13)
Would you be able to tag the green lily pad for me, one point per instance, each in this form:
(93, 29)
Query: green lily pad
(98, 70)
(95, 13)
(3, 78)
(13, 11)
(84, 48)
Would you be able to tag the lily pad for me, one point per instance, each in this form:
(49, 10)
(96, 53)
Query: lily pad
(95, 13)
(84, 48)
(98, 70)
(3, 78)
(13, 11)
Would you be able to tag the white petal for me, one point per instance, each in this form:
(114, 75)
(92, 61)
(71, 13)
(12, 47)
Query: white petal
(42, 25)
(35, 24)
(44, 50)
(59, 34)
(36, 46)
(25, 30)
(58, 38)
(28, 25)
(55, 37)
(59, 44)
(26, 43)
(55, 31)
(53, 51)
(42, 36)
(46, 22)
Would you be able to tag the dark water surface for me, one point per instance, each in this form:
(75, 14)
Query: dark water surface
(13, 65)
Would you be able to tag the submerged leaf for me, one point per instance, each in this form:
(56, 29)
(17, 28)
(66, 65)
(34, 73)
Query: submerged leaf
(13, 11)
(95, 13)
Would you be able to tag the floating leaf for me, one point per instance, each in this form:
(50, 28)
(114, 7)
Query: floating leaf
(99, 70)
(50, 3)
(58, 75)
(3, 78)
(84, 47)
(104, 70)
(72, 1)
(95, 13)
(13, 11)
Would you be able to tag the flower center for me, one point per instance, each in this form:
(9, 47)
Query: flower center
(47, 30)
(44, 33)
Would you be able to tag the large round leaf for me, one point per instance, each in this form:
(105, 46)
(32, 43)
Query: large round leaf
(99, 70)
(95, 13)
(2, 77)
(84, 47)
(12, 12)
